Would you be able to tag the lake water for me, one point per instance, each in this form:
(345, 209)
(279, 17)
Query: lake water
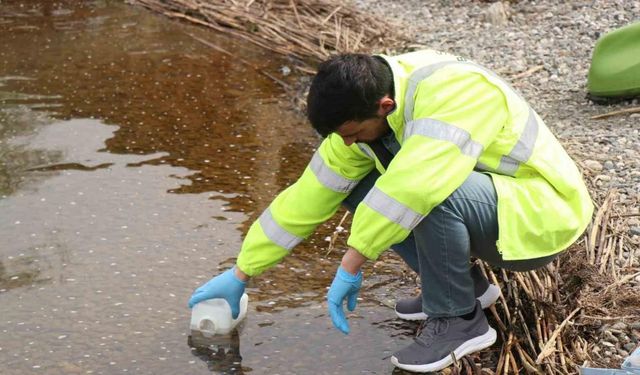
(133, 158)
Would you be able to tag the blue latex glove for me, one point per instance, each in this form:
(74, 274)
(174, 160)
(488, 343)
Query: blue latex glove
(225, 285)
(344, 286)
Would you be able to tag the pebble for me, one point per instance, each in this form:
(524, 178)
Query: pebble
(285, 70)
(593, 165)
(621, 326)
(496, 14)
(629, 347)
(610, 336)
(608, 165)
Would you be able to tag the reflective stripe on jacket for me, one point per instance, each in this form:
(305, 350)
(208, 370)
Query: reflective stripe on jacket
(451, 117)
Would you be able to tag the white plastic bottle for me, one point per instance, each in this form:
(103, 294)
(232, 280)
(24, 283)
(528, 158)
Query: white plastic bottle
(213, 316)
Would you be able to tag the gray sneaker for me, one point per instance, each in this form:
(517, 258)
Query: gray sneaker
(487, 294)
(443, 338)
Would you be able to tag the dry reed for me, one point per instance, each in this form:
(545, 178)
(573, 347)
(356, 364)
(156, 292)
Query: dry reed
(306, 30)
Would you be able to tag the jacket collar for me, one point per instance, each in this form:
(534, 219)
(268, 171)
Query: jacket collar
(395, 117)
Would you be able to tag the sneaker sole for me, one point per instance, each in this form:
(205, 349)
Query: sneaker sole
(488, 298)
(467, 347)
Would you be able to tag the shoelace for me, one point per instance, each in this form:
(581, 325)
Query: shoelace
(431, 328)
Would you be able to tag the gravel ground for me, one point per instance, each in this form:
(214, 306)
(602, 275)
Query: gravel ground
(559, 37)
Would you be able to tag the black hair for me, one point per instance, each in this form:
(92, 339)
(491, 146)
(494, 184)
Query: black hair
(347, 87)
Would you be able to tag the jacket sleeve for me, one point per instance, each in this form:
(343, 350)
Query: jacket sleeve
(334, 170)
(457, 114)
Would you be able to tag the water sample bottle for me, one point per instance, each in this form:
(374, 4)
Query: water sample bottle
(213, 316)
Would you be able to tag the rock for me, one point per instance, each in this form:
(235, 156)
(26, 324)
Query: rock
(619, 326)
(635, 325)
(634, 231)
(285, 70)
(608, 165)
(593, 165)
(496, 14)
(610, 336)
(629, 347)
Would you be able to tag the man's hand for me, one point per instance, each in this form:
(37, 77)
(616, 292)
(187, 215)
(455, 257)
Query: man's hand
(344, 286)
(227, 285)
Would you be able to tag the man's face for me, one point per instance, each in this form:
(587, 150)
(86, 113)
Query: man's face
(363, 131)
(370, 129)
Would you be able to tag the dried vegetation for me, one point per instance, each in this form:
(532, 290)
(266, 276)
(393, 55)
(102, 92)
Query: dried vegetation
(305, 30)
(565, 315)
(554, 319)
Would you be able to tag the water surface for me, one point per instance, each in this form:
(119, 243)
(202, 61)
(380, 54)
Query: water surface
(133, 157)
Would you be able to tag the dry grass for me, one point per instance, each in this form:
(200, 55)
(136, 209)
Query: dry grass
(306, 30)
(550, 320)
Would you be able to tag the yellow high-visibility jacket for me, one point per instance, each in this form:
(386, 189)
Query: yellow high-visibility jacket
(452, 117)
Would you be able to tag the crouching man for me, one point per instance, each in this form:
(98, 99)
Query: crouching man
(441, 161)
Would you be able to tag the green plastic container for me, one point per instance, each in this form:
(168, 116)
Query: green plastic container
(615, 66)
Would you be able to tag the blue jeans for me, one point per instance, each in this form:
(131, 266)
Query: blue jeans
(440, 247)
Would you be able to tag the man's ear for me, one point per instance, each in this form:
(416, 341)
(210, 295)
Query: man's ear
(386, 105)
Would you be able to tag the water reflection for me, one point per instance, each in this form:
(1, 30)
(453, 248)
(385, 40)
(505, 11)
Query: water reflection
(23, 272)
(221, 353)
(132, 157)
(34, 266)
(225, 122)
(18, 120)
